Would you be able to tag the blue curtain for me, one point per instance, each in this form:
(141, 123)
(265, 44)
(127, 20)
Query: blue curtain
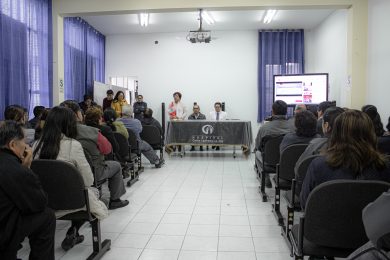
(25, 53)
(280, 52)
(84, 55)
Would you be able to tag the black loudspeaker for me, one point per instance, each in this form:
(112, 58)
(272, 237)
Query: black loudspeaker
(223, 106)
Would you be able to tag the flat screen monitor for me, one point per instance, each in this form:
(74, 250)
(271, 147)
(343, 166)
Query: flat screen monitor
(301, 88)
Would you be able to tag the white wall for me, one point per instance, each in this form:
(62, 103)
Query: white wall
(326, 51)
(378, 85)
(223, 70)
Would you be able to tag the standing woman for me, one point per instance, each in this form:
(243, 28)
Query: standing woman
(118, 102)
(58, 142)
(176, 109)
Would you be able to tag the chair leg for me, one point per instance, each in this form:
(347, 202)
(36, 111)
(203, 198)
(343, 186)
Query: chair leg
(276, 206)
(99, 249)
(290, 219)
(262, 187)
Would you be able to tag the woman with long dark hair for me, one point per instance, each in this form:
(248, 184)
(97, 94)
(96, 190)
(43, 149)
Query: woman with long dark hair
(118, 102)
(110, 117)
(351, 154)
(58, 142)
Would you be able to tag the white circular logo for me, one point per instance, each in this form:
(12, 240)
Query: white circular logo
(207, 129)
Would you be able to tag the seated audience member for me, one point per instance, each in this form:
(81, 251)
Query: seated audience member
(87, 103)
(96, 145)
(93, 118)
(277, 126)
(351, 154)
(26, 122)
(176, 109)
(24, 212)
(139, 107)
(320, 143)
(298, 108)
(218, 114)
(148, 119)
(118, 102)
(372, 112)
(41, 123)
(383, 140)
(37, 113)
(108, 100)
(322, 107)
(58, 143)
(17, 114)
(305, 130)
(110, 119)
(196, 115)
(136, 127)
(377, 225)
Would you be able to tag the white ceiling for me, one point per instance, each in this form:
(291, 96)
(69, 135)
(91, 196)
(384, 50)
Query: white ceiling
(225, 20)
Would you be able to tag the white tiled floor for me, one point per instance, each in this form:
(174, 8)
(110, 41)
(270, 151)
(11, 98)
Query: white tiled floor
(202, 206)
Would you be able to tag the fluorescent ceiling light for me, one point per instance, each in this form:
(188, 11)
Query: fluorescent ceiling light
(144, 19)
(207, 17)
(269, 16)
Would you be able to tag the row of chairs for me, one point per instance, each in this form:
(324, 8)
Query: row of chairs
(336, 205)
(65, 187)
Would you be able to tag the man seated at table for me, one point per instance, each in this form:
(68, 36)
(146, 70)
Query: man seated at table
(218, 114)
(196, 115)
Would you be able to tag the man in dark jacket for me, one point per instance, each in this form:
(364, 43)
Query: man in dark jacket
(139, 108)
(197, 115)
(23, 203)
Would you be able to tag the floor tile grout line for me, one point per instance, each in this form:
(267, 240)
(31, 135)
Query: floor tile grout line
(189, 223)
(246, 206)
(151, 235)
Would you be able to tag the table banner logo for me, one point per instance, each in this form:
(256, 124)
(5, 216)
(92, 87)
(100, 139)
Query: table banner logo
(207, 129)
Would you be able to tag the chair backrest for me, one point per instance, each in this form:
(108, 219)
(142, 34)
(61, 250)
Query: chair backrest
(270, 150)
(123, 144)
(300, 172)
(133, 142)
(288, 159)
(151, 135)
(62, 182)
(333, 214)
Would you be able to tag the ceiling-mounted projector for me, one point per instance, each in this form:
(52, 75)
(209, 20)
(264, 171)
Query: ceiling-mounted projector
(200, 35)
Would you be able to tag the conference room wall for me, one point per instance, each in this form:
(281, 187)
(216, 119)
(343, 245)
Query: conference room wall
(326, 51)
(378, 84)
(224, 70)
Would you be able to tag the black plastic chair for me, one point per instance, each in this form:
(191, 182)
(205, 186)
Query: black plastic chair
(151, 134)
(66, 191)
(135, 147)
(285, 174)
(332, 225)
(267, 159)
(125, 156)
(293, 201)
(96, 183)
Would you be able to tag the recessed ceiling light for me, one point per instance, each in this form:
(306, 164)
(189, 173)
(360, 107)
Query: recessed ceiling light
(144, 19)
(207, 17)
(269, 16)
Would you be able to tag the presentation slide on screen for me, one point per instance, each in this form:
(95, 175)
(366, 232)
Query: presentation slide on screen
(298, 89)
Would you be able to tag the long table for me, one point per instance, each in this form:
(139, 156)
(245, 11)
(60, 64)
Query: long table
(213, 133)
